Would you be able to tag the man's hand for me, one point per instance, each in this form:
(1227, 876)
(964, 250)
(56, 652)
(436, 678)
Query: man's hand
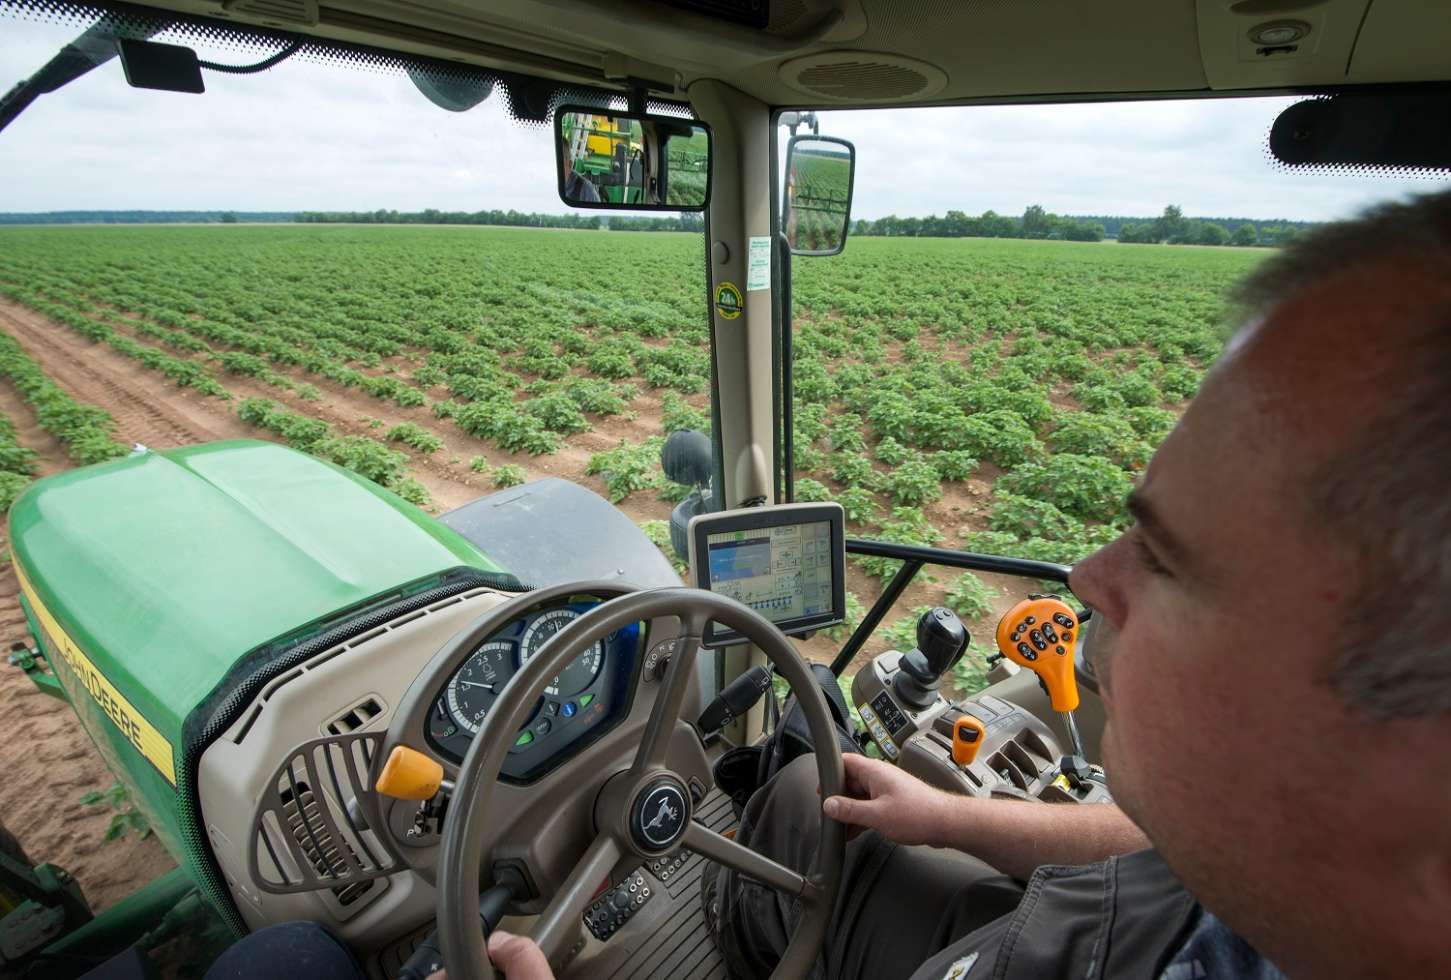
(884, 798)
(515, 957)
(518, 957)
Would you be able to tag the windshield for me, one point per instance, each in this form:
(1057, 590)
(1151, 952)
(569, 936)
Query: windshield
(320, 255)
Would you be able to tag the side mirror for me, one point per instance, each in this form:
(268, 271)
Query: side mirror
(626, 162)
(687, 458)
(819, 179)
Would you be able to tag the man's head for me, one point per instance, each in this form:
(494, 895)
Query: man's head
(1275, 631)
(568, 163)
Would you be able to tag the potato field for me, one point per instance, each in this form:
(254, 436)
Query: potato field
(987, 394)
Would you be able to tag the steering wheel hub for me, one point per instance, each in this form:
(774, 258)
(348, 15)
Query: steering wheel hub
(659, 815)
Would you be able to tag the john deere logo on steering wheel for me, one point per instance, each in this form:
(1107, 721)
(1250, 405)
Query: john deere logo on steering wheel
(658, 816)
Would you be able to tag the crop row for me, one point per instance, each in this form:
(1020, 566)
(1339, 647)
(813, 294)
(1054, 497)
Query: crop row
(85, 430)
(17, 464)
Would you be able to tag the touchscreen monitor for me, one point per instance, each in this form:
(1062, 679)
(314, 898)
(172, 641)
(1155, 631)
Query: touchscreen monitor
(788, 563)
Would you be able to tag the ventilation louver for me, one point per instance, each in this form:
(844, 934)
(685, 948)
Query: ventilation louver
(306, 836)
(862, 76)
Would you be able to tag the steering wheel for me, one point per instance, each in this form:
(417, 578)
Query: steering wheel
(643, 811)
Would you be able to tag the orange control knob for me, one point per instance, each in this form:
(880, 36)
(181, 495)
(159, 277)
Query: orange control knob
(967, 737)
(409, 775)
(1040, 634)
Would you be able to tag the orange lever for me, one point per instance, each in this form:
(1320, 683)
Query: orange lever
(409, 775)
(1040, 634)
(967, 737)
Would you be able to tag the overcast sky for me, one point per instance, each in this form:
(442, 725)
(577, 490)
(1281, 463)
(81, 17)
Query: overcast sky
(318, 137)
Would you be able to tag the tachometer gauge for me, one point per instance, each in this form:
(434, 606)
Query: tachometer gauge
(578, 675)
(478, 682)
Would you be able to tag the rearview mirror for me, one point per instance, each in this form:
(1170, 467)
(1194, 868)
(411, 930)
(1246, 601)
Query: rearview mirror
(628, 162)
(819, 177)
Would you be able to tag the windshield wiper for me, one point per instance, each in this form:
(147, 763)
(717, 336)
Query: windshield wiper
(93, 48)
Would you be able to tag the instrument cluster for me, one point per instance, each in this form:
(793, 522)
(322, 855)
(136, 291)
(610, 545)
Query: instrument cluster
(582, 700)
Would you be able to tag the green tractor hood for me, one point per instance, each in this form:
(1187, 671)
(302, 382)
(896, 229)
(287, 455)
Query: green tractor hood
(148, 579)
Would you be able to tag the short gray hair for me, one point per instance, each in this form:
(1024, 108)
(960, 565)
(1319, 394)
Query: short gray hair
(1387, 495)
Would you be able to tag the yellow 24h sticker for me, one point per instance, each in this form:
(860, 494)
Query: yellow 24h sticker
(728, 302)
(123, 714)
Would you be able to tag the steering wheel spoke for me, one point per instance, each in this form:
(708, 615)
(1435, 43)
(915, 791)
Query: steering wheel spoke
(560, 922)
(665, 715)
(738, 857)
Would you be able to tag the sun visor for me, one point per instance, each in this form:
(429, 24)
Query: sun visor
(1396, 134)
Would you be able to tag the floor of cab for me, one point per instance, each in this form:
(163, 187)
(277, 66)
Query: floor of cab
(665, 939)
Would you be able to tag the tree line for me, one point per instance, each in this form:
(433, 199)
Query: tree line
(689, 221)
(1171, 227)
(1034, 223)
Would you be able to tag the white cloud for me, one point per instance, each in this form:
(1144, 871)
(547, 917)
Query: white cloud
(313, 136)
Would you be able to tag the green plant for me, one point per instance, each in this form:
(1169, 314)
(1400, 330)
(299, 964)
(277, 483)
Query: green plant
(125, 817)
(628, 468)
(970, 597)
(953, 464)
(811, 491)
(855, 470)
(412, 434)
(479, 464)
(1090, 488)
(914, 482)
(509, 475)
(892, 452)
(659, 534)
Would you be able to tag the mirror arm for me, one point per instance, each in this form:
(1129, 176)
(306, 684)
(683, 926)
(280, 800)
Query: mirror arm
(636, 99)
(788, 408)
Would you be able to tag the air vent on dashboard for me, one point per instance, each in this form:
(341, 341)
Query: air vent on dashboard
(308, 834)
(355, 717)
(862, 76)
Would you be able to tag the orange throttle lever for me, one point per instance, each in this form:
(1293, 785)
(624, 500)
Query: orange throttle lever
(1040, 633)
(967, 738)
(410, 775)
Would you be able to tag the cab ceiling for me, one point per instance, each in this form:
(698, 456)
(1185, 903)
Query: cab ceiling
(903, 52)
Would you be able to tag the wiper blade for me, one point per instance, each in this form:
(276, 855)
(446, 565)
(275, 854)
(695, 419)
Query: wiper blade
(95, 46)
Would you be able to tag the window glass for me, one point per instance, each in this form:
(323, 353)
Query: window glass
(1027, 300)
(319, 254)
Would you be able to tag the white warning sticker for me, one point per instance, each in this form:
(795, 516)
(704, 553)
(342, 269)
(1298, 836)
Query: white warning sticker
(758, 263)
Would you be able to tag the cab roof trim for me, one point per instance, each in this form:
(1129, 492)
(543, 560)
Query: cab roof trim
(985, 50)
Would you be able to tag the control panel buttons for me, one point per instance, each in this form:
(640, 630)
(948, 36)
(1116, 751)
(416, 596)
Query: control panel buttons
(888, 713)
(568, 709)
(616, 906)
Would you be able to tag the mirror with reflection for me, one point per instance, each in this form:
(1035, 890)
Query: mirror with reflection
(817, 211)
(629, 162)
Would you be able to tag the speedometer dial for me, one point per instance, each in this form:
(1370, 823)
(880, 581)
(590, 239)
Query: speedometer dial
(581, 673)
(478, 682)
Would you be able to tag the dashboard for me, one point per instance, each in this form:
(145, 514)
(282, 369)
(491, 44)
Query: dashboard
(579, 704)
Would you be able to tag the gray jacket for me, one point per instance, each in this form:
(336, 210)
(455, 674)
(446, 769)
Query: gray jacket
(1123, 918)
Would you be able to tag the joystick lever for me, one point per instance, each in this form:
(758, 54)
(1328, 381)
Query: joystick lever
(941, 639)
(1040, 633)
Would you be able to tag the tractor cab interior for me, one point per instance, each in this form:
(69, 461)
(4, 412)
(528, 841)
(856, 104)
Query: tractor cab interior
(519, 713)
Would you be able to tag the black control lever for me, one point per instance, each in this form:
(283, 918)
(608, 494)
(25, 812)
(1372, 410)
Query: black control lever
(941, 640)
(428, 960)
(735, 699)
